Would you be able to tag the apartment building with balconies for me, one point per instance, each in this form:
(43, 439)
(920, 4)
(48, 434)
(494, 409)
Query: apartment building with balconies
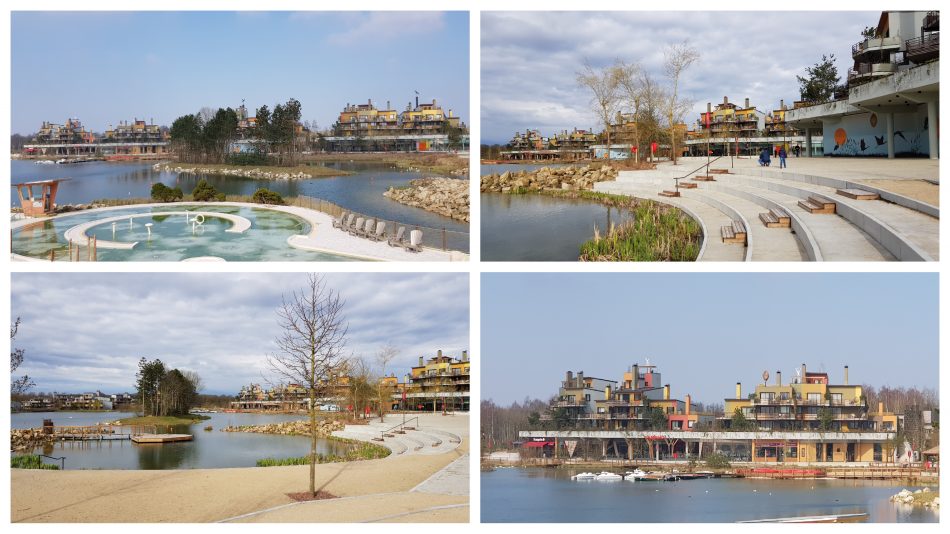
(889, 105)
(439, 383)
(419, 128)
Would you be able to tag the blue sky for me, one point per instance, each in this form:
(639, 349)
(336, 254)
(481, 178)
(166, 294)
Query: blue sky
(705, 332)
(87, 331)
(104, 67)
(529, 63)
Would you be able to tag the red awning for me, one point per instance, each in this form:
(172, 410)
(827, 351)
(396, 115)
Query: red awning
(537, 444)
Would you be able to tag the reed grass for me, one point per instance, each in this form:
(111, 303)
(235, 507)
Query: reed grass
(656, 233)
(356, 451)
(30, 461)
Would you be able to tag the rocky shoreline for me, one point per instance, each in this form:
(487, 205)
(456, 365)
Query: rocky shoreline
(290, 428)
(26, 439)
(245, 173)
(445, 196)
(922, 497)
(547, 178)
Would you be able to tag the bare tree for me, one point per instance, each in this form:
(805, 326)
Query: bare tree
(602, 84)
(18, 386)
(310, 347)
(384, 391)
(360, 388)
(677, 58)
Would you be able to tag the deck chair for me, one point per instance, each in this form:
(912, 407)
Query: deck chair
(415, 241)
(368, 228)
(338, 223)
(355, 229)
(398, 239)
(380, 233)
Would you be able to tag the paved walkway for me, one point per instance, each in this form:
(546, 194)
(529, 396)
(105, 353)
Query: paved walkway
(841, 168)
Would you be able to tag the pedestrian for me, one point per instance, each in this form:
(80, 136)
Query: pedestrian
(798, 150)
(781, 157)
(764, 158)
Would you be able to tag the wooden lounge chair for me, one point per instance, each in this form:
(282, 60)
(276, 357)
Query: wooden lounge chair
(380, 233)
(338, 223)
(349, 222)
(415, 241)
(399, 239)
(355, 229)
(368, 228)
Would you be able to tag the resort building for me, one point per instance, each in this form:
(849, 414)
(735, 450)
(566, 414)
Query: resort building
(135, 138)
(807, 420)
(72, 139)
(889, 106)
(422, 128)
(439, 383)
(530, 145)
(730, 129)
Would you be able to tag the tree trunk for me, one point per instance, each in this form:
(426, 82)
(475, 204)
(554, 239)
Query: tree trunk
(313, 442)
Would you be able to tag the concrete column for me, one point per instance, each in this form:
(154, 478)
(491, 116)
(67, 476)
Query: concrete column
(932, 119)
(807, 142)
(890, 135)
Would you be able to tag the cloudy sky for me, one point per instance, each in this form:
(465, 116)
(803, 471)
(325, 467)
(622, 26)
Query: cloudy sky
(536, 326)
(529, 61)
(105, 67)
(87, 331)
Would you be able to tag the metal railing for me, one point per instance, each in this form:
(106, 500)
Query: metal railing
(923, 45)
(61, 459)
(438, 238)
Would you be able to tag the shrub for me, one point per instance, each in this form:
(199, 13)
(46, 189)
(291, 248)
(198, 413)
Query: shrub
(266, 196)
(30, 461)
(205, 192)
(717, 461)
(163, 193)
(248, 158)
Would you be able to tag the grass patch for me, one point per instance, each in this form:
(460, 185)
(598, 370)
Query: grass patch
(656, 233)
(356, 451)
(30, 461)
(189, 419)
(437, 163)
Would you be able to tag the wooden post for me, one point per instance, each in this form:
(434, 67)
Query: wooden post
(95, 247)
(88, 248)
(52, 254)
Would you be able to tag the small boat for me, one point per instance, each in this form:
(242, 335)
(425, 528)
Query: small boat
(583, 476)
(831, 518)
(44, 162)
(635, 475)
(608, 477)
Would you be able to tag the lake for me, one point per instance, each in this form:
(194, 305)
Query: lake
(361, 192)
(545, 495)
(540, 228)
(209, 449)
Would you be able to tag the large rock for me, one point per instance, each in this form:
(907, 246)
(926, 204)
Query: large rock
(325, 427)
(445, 196)
(565, 178)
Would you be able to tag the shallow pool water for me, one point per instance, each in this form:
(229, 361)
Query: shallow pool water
(174, 239)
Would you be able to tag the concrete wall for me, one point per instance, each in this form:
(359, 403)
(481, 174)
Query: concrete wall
(865, 134)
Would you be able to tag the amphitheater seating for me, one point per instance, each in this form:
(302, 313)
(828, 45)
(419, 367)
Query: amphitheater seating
(734, 233)
(817, 205)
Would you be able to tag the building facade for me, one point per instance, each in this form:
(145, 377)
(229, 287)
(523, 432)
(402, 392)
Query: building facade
(889, 105)
(137, 138)
(422, 128)
(441, 383)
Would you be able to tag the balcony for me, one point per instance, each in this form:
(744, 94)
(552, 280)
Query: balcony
(875, 44)
(869, 71)
(925, 48)
(931, 22)
(569, 404)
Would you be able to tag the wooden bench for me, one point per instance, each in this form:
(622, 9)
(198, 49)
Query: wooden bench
(703, 178)
(734, 233)
(817, 205)
(776, 218)
(858, 194)
(669, 193)
(719, 171)
(688, 185)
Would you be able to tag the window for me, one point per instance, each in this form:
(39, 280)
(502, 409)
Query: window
(878, 452)
(793, 452)
(691, 423)
(766, 397)
(587, 397)
(836, 398)
(814, 398)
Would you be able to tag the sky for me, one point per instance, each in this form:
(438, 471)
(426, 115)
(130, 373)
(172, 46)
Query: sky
(707, 331)
(529, 63)
(83, 332)
(105, 67)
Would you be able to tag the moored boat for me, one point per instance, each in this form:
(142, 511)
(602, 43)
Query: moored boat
(583, 476)
(608, 477)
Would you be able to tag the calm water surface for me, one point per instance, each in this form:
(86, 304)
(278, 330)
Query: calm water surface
(540, 228)
(361, 192)
(543, 495)
(212, 449)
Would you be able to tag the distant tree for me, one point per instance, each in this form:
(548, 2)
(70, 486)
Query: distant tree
(176, 392)
(148, 379)
(818, 85)
(656, 419)
(384, 393)
(361, 386)
(21, 385)
(310, 347)
(826, 419)
(676, 59)
(739, 422)
(534, 420)
(602, 84)
(868, 32)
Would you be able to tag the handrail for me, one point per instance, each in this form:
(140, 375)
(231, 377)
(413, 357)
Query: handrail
(62, 460)
(402, 424)
(706, 165)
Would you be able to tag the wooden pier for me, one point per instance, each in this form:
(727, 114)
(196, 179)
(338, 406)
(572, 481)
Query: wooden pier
(133, 433)
(161, 438)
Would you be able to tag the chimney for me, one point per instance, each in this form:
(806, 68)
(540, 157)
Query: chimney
(880, 407)
(464, 355)
(417, 100)
(803, 374)
(607, 393)
(846, 375)
(778, 378)
(666, 392)
(370, 102)
(420, 361)
(636, 376)
(689, 401)
(440, 353)
(450, 113)
(747, 103)
(387, 105)
(570, 376)
(725, 100)
(781, 104)
(433, 102)
(738, 390)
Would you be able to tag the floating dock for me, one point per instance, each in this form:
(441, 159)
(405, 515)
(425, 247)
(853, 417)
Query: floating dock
(161, 438)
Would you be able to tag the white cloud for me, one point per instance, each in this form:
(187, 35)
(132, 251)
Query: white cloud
(384, 26)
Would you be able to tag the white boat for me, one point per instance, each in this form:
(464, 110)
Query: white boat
(608, 477)
(636, 474)
(583, 476)
(44, 162)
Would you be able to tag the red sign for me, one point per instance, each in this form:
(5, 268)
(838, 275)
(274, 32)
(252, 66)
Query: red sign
(706, 119)
(653, 147)
(633, 149)
(654, 438)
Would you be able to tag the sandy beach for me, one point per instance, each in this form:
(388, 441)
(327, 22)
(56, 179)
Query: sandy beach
(375, 490)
